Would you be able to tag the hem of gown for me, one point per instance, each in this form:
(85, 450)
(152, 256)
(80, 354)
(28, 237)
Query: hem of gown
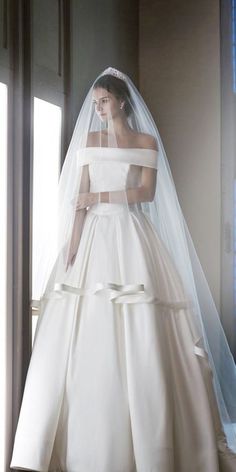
(29, 469)
(226, 462)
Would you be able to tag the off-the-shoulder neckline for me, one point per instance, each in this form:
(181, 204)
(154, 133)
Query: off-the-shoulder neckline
(124, 149)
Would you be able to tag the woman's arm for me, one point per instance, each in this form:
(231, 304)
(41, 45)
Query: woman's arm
(78, 220)
(143, 193)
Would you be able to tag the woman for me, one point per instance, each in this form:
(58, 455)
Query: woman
(130, 369)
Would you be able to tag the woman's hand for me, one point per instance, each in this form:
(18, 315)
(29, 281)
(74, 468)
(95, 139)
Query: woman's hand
(76, 235)
(71, 257)
(86, 199)
(72, 252)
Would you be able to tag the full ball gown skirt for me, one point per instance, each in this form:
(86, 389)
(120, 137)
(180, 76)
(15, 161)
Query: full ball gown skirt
(116, 382)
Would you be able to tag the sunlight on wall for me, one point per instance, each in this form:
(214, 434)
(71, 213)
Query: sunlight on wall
(3, 261)
(46, 171)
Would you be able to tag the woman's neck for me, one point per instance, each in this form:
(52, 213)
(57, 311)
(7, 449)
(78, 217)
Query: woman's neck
(121, 127)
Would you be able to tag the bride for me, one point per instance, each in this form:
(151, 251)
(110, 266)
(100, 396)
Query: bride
(130, 369)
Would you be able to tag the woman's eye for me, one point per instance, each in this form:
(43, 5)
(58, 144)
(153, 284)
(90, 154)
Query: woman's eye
(104, 100)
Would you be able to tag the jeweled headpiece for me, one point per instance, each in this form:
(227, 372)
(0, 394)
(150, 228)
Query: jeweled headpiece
(115, 72)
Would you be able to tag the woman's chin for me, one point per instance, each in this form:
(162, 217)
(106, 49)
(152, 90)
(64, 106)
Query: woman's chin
(102, 118)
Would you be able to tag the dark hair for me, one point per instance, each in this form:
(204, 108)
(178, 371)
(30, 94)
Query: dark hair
(117, 87)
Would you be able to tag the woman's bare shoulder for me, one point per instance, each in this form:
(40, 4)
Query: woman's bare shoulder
(147, 141)
(142, 140)
(92, 138)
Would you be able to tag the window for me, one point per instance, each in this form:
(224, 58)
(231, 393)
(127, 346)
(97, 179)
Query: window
(46, 171)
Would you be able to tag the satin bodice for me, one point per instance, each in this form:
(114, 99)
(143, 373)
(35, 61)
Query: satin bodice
(116, 169)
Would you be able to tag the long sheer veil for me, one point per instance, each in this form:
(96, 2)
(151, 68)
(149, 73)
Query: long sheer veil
(165, 213)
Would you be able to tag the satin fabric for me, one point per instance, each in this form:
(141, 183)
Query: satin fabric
(117, 381)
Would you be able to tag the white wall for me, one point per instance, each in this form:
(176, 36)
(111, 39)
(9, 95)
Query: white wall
(180, 79)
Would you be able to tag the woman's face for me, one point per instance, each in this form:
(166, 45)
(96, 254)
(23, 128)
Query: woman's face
(107, 106)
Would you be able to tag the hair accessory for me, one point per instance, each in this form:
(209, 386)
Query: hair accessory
(115, 72)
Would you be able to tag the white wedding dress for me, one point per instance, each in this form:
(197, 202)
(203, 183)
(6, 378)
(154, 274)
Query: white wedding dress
(117, 382)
